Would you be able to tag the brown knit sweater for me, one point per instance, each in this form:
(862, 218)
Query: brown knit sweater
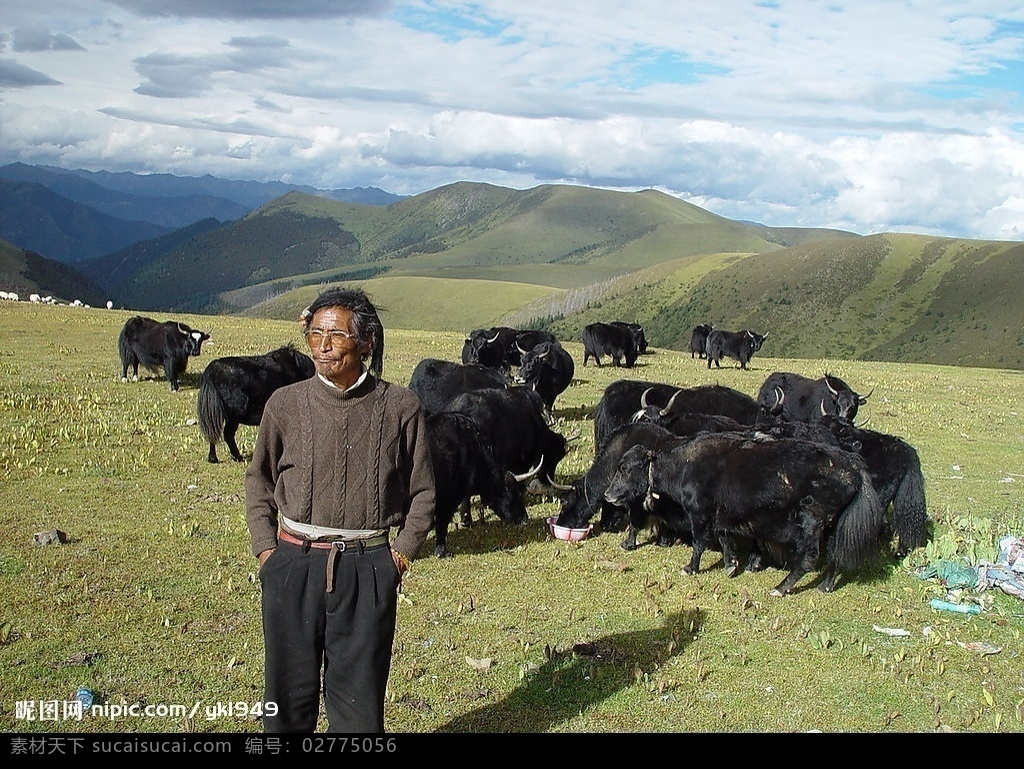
(356, 459)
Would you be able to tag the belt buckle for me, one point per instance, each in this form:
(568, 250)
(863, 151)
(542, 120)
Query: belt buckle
(340, 545)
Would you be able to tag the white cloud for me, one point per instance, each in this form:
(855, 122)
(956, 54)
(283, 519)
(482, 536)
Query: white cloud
(871, 116)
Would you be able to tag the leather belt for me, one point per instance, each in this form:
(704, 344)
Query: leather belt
(341, 545)
(335, 546)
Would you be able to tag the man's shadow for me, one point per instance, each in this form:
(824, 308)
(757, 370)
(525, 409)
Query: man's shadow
(574, 680)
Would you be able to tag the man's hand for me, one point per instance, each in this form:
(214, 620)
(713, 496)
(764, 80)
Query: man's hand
(401, 563)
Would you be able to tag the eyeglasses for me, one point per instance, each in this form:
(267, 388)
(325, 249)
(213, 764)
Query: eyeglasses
(315, 336)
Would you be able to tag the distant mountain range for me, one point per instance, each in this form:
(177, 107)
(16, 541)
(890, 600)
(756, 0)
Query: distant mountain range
(472, 255)
(164, 201)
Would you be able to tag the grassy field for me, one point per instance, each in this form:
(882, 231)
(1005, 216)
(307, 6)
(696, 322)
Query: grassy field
(153, 600)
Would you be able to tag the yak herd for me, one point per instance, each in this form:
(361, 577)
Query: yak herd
(786, 480)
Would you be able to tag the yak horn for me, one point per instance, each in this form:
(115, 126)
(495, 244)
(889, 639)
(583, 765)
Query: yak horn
(823, 412)
(529, 473)
(560, 486)
(574, 435)
(668, 406)
(780, 398)
(864, 398)
(643, 397)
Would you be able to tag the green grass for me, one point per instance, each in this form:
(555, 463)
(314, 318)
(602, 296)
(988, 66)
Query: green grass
(154, 598)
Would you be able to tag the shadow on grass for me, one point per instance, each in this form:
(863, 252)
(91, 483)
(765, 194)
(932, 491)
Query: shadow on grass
(491, 533)
(574, 680)
(575, 414)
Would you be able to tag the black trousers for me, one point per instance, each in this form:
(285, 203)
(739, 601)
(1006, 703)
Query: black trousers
(343, 638)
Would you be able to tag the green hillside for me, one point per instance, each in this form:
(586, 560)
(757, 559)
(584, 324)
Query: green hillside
(463, 230)
(430, 304)
(471, 255)
(892, 297)
(26, 273)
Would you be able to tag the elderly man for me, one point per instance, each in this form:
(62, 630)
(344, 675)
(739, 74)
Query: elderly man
(341, 459)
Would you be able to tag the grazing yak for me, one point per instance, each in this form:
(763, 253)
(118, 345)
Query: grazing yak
(801, 399)
(582, 499)
(526, 340)
(158, 345)
(512, 422)
(548, 368)
(610, 340)
(465, 466)
(638, 333)
(895, 469)
(437, 381)
(804, 503)
(699, 340)
(234, 390)
(623, 399)
(491, 347)
(739, 345)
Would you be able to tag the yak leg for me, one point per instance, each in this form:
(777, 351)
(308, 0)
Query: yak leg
(756, 560)
(828, 579)
(804, 560)
(667, 536)
(730, 559)
(230, 428)
(637, 521)
(612, 518)
(442, 517)
(171, 373)
(699, 526)
(786, 586)
(466, 513)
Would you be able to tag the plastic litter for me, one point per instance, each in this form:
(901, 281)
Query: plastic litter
(1007, 573)
(949, 574)
(960, 608)
(893, 631)
(982, 647)
(85, 696)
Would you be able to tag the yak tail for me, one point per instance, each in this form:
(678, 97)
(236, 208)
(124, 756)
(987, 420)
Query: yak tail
(210, 410)
(124, 350)
(910, 512)
(856, 542)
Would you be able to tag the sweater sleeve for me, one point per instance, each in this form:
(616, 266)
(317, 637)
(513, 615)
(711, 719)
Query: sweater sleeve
(260, 481)
(419, 514)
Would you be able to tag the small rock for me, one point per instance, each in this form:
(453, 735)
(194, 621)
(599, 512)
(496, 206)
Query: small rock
(51, 537)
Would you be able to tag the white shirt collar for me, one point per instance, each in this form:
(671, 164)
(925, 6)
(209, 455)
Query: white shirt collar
(355, 384)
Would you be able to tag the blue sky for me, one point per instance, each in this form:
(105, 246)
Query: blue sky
(874, 116)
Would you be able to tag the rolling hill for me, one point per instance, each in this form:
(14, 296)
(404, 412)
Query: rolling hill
(25, 273)
(472, 255)
(556, 236)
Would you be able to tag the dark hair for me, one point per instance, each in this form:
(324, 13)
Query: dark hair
(368, 328)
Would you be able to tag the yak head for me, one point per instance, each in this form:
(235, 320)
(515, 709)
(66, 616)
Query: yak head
(633, 478)
(193, 339)
(845, 401)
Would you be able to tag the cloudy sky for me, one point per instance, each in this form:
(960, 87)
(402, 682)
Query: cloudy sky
(866, 115)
